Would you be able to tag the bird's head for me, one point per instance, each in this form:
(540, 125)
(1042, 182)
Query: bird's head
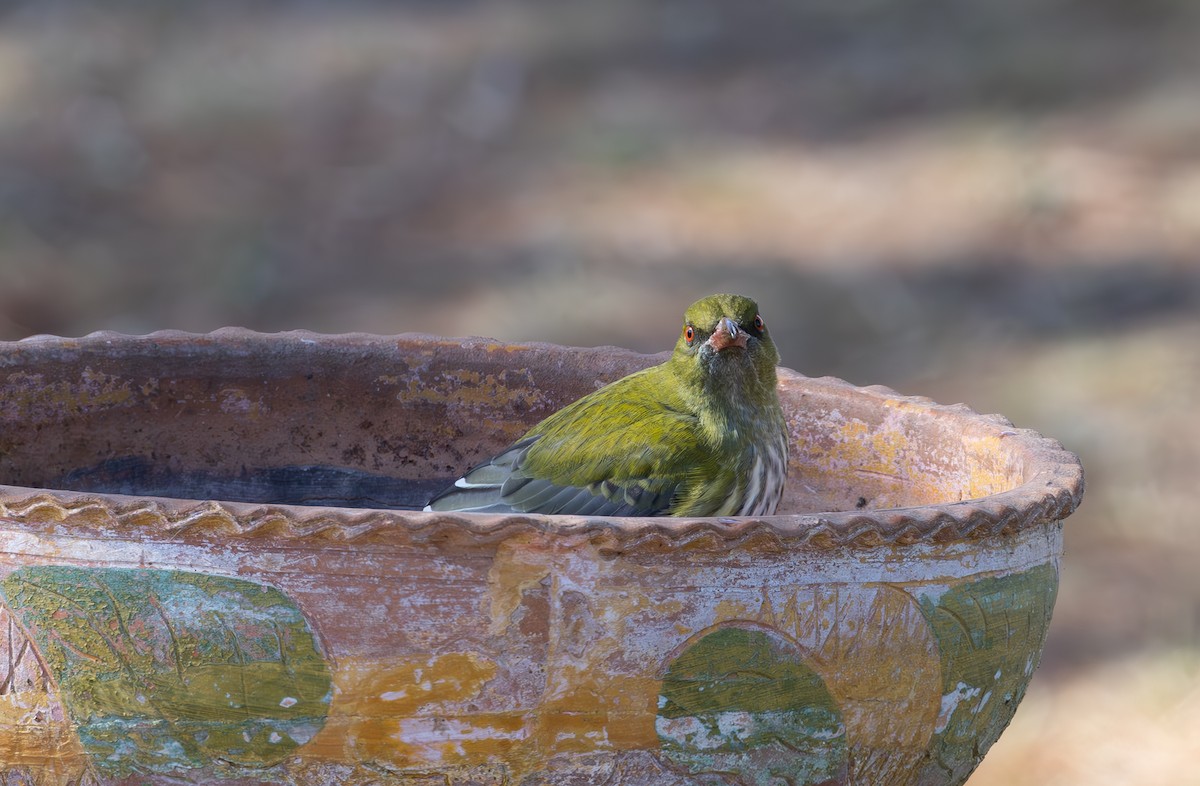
(725, 342)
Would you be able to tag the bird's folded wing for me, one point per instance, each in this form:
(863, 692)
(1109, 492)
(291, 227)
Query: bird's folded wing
(633, 470)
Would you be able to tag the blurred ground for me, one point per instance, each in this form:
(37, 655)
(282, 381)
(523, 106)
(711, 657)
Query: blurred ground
(996, 203)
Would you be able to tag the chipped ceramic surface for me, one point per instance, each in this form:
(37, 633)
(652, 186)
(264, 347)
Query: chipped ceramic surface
(170, 611)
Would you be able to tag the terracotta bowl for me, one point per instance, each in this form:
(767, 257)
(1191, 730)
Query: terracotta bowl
(212, 571)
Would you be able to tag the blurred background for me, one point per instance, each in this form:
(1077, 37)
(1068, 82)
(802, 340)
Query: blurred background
(994, 203)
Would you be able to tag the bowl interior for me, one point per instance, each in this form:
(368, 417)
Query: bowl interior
(374, 422)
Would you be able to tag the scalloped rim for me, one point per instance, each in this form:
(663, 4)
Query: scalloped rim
(1052, 492)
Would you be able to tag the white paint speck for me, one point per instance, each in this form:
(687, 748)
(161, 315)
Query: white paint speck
(287, 702)
(434, 740)
(962, 692)
(302, 734)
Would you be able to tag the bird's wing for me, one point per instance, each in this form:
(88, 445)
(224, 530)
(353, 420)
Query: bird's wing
(617, 455)
(505, 485)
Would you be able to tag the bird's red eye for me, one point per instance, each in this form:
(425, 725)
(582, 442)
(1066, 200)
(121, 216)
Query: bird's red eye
(689, 334)
(759, 325)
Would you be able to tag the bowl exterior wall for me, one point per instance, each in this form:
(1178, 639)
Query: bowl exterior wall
(536, 658)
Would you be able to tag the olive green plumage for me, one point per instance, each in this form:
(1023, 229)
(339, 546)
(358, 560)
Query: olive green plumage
(702, 434)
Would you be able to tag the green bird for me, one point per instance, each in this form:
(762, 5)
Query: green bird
(701, 434)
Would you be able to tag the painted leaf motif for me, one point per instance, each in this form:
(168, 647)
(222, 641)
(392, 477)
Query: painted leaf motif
(989, 633)
(169, 670)
(743, 701)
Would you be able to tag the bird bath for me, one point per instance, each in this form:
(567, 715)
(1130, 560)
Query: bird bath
(208, 575)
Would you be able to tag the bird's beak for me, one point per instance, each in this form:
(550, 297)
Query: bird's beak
(728, 334)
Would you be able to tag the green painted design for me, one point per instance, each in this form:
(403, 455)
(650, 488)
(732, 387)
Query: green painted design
(989, 635)
(164, 671)
(742, 701)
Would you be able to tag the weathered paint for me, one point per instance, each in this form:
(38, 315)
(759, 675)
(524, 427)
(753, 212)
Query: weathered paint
(163, 671)
(984, 630)
(384, 712)
(544, 651)
(616, 635)
(742, 701)
(37, 739)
